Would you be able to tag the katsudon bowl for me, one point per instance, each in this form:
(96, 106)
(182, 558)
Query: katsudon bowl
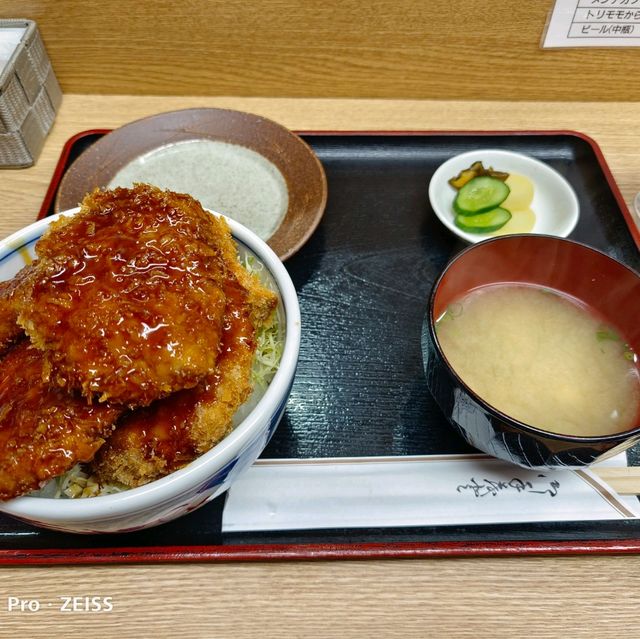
(213, 472)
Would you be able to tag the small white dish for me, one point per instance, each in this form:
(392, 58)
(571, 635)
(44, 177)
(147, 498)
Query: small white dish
(554, 201)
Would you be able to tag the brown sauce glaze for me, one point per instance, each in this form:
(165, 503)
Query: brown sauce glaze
(127, 297)
(163, 430)
(43, 431)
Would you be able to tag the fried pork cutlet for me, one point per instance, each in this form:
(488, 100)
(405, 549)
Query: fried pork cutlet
(126, 297)
(43, 431)
(154, 441)
(10, 330)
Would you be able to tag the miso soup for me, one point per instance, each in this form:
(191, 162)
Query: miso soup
(540, 357)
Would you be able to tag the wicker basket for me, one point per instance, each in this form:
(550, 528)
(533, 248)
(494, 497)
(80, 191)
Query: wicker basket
(29, 98)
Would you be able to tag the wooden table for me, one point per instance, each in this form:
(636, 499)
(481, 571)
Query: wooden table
(587, 596)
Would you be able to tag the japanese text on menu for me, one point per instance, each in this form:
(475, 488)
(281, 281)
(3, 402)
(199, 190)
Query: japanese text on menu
(594, 23)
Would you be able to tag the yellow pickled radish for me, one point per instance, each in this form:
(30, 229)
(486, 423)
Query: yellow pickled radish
(521, 194)
(521, 222)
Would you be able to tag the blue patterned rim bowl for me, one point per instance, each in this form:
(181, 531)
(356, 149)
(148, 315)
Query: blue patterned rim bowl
(600, 282)
(206, 477)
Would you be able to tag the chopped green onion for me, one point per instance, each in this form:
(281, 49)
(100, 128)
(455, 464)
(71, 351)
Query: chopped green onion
(455, 309)
(605, 334)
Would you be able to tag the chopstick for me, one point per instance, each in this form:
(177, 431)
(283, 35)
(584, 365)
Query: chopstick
(624, 480)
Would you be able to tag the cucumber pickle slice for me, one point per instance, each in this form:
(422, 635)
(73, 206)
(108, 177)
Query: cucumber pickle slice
(479, 195)
(486, 222)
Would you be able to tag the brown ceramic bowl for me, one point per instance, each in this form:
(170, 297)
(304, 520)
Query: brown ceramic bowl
(302, 172)
(608, 287)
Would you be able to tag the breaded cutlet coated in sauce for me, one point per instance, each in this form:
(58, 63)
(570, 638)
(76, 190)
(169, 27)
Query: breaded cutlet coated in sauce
(127, 300)
(43, 431)
(161, 434)
(139, 317)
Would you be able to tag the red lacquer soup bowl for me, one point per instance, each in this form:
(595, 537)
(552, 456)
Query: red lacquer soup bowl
(600, 283)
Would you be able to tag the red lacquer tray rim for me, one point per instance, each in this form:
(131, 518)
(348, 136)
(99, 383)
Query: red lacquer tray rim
(315, 552)
(332, 551)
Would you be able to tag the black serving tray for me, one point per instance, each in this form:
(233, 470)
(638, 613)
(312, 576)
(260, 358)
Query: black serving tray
(363, 281)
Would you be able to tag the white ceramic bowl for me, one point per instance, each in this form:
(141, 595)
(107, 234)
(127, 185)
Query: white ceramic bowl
(554, 201)
(206, 477)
